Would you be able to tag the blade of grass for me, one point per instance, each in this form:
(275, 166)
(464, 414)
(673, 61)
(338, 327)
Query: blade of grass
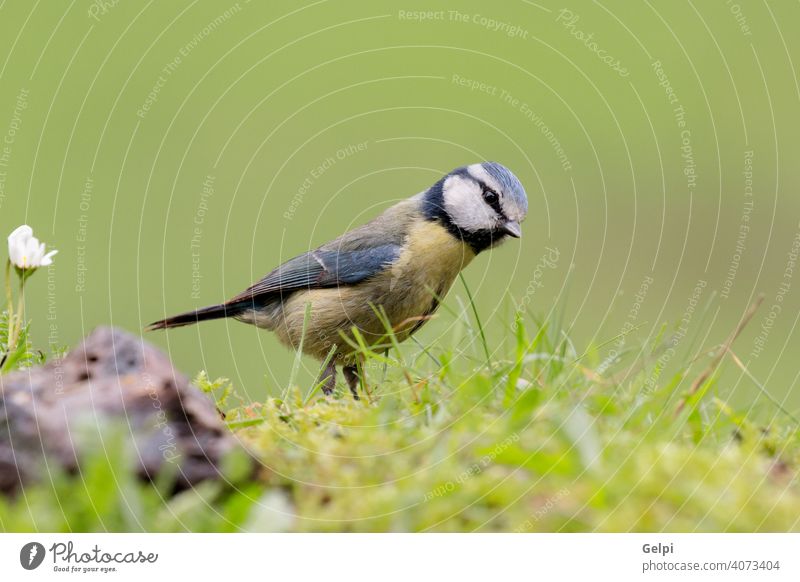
(605, 343)
(715, 361)
(477, 321)
(701, 325)
(519, 360)
(360, 346)
(562, 306)
(425, 350)
(762, 388)
(299, 353)
(384, 318)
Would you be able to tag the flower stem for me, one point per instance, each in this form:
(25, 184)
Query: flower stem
(9, 308)
(20, 308)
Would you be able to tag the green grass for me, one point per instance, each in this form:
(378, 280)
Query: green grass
(545, 440)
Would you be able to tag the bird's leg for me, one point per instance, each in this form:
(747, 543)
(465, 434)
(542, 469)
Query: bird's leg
(351, 375)
(328, 374)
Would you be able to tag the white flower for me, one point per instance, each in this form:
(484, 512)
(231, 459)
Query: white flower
(25, 250)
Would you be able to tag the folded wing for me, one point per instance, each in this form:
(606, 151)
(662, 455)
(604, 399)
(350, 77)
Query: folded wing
(323, 268)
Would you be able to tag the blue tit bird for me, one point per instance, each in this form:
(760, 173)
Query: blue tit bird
(395, 268)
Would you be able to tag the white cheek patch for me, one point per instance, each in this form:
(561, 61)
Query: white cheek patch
(464, 203)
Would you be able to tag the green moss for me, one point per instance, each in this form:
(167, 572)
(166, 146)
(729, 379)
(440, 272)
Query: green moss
(562, 460)
(542, 442)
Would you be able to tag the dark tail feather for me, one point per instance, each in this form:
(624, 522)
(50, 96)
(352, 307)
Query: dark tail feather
(190, 317)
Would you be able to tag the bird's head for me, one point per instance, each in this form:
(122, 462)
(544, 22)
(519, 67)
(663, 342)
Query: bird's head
(482, 204)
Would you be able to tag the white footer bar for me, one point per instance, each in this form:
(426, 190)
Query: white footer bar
(402, 557)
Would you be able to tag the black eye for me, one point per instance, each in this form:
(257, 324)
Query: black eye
(491, 197)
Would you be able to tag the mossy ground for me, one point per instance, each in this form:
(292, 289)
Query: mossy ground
(545, 440)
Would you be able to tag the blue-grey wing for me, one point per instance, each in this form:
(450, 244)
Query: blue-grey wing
(322, 268)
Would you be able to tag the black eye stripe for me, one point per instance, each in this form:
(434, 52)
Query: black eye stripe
(495, 202)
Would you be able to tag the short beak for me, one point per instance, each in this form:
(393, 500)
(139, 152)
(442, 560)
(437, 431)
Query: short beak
(512, 228)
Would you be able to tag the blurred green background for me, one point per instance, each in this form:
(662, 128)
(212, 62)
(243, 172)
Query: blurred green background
(174, 152)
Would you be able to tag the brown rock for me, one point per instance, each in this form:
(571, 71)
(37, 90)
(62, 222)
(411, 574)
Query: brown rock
(113, 381)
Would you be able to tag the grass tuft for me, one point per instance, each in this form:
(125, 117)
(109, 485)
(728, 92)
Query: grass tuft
(545, 439)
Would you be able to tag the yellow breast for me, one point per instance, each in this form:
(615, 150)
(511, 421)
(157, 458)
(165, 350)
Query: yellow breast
(428, 264)
(432, 256)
